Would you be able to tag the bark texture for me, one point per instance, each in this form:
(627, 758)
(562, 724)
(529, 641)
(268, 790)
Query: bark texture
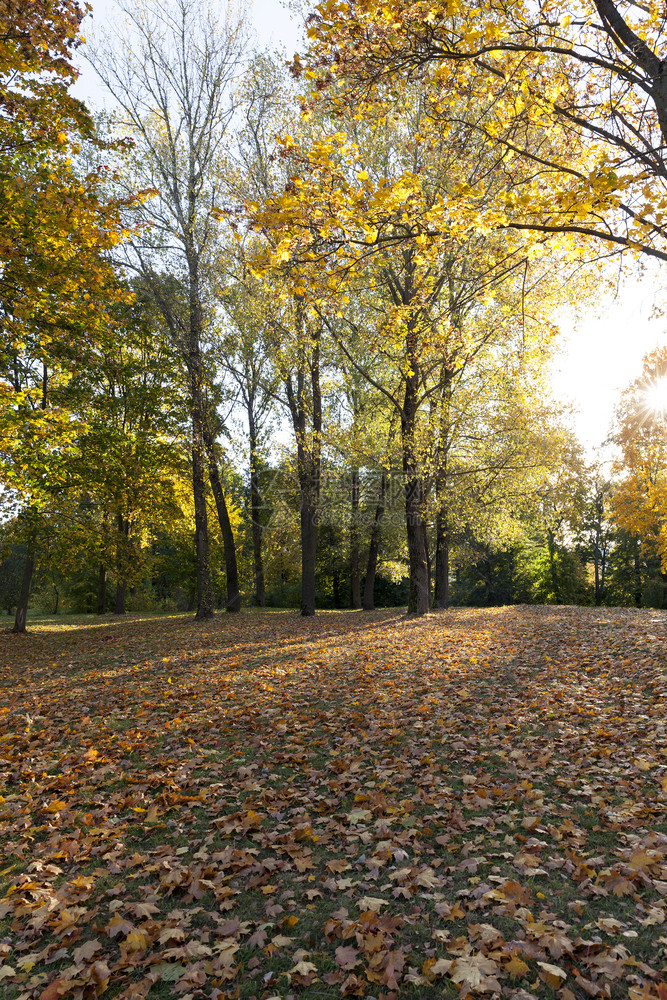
(374, 547)
(21, 615)
(233, 603)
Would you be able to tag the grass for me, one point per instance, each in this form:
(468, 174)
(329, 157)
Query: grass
(257, 806)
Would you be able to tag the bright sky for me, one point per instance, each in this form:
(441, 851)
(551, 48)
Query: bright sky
(601, 351)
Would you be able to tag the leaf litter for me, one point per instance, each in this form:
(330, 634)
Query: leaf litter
(470, 804)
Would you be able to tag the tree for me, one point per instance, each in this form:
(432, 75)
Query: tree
(129, 393)
(244, 354)
(589, 82)
(171, 75)
(596, 532)
(56, 281)
(639, 501)
(296, 328)
(379, 206)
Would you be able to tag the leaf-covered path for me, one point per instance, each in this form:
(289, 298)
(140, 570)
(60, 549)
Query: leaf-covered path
(473, 803)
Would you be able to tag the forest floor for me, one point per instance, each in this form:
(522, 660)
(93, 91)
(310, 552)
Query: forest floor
(362, 805)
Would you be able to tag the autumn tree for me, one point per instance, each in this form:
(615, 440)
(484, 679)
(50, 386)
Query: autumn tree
(129, 394)
(596, 532)
(55, 233)
(243, 355)
(171, 74)
(394, 205)
(296, 338)
(639, 501)
(588, 82)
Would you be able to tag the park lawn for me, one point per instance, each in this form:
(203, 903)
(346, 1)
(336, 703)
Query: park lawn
(363, 805)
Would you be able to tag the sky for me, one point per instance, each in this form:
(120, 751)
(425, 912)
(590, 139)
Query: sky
(601, 347)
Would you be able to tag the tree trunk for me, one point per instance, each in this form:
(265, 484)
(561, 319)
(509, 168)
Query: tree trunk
(308, 455)
(426, 547)
(123, 532)
(119, 602)
(255, 513)
(198, 415)
(22, 606)
(374, 548)
(441, 477)
(228, 544)
(204, 588)
(336, 587)
(57, 604)
(355, 555)
(102, 590)
(551, 544)
(441, 560)
(638, 577)
(309, 499)
(418, 602)
(596, 557)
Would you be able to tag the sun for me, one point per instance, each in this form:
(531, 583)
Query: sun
(656, 396)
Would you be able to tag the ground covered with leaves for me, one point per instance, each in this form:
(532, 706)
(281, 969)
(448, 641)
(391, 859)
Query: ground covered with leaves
(469, 804)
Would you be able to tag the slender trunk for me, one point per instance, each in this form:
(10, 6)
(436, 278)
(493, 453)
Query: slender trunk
(441, 559)
(426, 546)
(123, 531)
(309, 498)
(57, 593)
(22, 607)
(637, 576)
(596, 556)
(204, 588)
(336, 587)
(374, 548)
(228, 544)
(102, 590)
(255, 513)
(198, 414)
(308, 452)
(355, 554)
(551, 544)
(418, 602)
(441, 482)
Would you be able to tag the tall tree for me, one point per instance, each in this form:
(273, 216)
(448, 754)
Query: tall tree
(587, 81)
(244, 354)
(639, 501)
(296, 329)
(171, 73)
(380, 206)
(55, 231)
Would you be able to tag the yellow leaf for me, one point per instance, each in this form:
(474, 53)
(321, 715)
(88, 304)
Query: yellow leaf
(56, 806)
(303, 968)
(136, 941)
(516, 967)
(552, 975)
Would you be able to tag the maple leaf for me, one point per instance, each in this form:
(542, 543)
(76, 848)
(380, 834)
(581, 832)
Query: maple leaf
(439, 967)
(86, 951)
(353, 987)
(552, 975)
(347, 957)
(472, 968)
(303, 968)
(516, 967)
